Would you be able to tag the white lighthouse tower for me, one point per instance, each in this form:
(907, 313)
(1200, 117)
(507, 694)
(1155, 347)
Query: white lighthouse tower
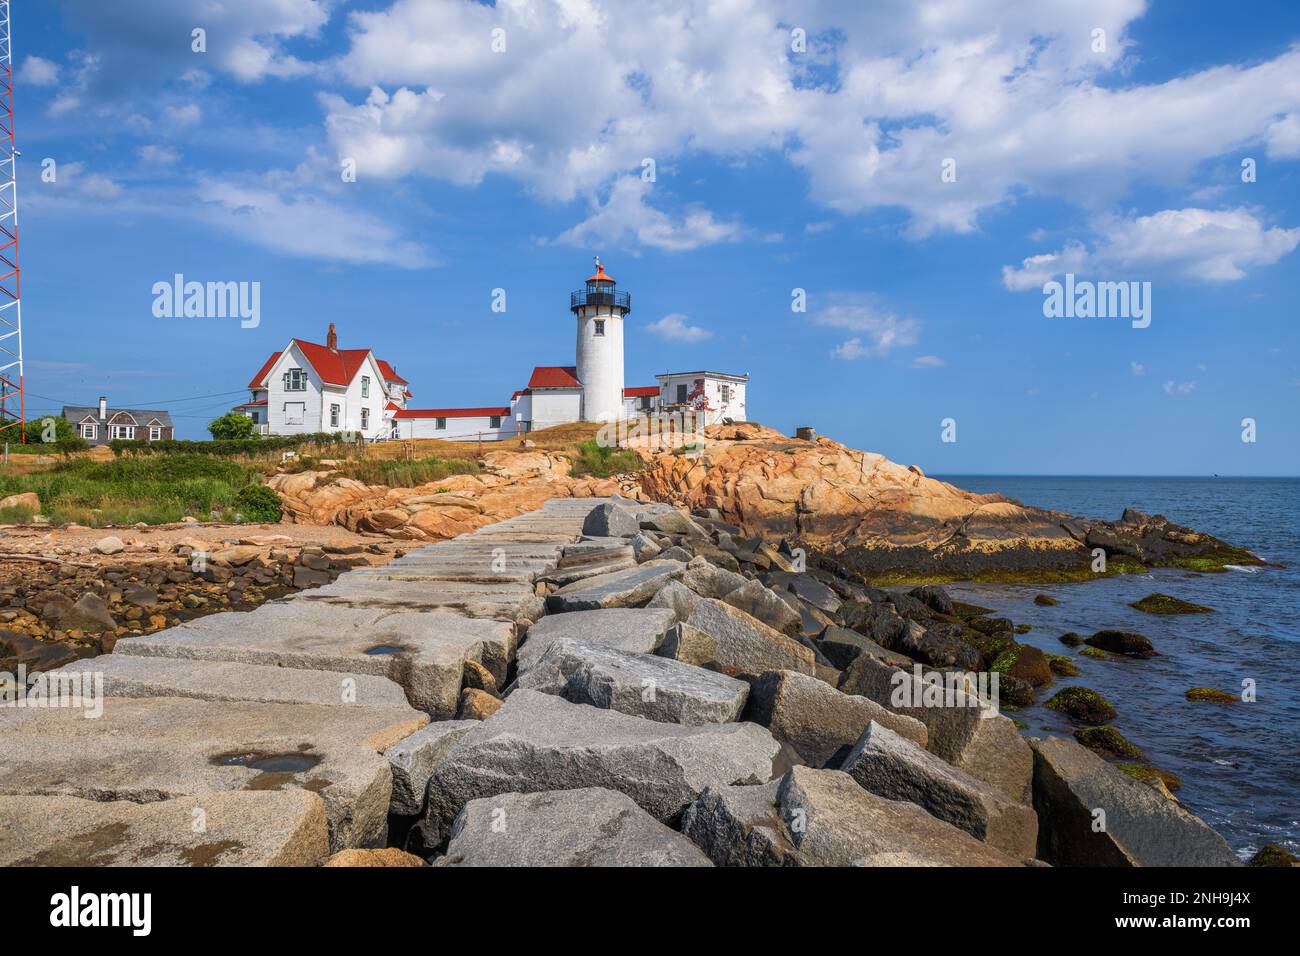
(600, 311)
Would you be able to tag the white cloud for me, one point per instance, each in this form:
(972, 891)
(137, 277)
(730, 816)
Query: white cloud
(1213, 246)
(1137, 368)
(1179, 388)
(156, 155)
(182, 116)
(73, 175)
(63, 103)
(675, 328)
(881, 331)
(308, 225)
(626, 215)
(928, 361)
(1009, 88)
(38, 71)
(1284, 137)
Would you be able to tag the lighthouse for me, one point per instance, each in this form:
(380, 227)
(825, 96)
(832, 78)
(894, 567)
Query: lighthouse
(600, 310)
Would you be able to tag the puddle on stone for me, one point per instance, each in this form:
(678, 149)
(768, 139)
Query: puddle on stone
(385, 649)
(286, 763)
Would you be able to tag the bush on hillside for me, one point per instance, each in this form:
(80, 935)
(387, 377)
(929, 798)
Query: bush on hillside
(232, 426)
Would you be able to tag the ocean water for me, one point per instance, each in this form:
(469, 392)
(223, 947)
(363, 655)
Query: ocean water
(1239, 763)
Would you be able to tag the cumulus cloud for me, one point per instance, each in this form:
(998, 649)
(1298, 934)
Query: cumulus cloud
(880, 331)
(1202, 244)
(928, 361)
(38, 71)
(307, 225)
(627, 216)
(675, 328)
(1013, 90)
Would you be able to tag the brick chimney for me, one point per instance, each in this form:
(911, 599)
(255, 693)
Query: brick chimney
(332, 339)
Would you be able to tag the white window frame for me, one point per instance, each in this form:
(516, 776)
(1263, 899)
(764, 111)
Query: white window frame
(365, 386)
(336, 412)
(295, 380)
(89, 430)
(155, 433)
(726, 393)
(365, 419)
(123, 432)
(302, 414)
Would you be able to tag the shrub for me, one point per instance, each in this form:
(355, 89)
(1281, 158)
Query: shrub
(601, 461)
(258, 503)
(232, 425)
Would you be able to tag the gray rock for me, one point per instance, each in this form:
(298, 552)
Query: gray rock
(157, 748)
(268, 828)
(413, 759)
(538, 742)
(822, 818)
(635, 630)
(842, 647)
(1141, 827)
(818, 721)
(610, 521)
(721, 637)
(644, 547)
(897, 769)
(643, 685)
(673, 522)
(90, 613)
(676, 553)
(424, 652)
(759, 601)
(961, 731)
(677, 597)
(108, 545)
(629, 588)
(807, 588)
(127, 676)
(709, 580)
(588, 827)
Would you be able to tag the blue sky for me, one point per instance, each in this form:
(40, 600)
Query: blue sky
(1114, 156)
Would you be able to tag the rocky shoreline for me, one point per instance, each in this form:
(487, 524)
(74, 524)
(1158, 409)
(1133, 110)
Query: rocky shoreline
(600, 682)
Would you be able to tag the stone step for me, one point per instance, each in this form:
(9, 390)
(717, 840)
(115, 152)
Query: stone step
(424, 652)
(144, 749)
(271, 828)
(136, 676)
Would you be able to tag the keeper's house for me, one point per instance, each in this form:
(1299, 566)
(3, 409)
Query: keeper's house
(100, 425)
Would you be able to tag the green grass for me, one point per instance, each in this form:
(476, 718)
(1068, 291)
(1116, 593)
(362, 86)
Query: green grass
(405, 474)
(602, 461)
(154, 489)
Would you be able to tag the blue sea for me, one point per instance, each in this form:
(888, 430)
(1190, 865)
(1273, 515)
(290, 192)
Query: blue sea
(1239, 763)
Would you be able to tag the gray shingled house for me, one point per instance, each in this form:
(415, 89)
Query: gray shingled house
(101, 425)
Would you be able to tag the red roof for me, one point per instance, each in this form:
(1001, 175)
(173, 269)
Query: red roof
(555, 376)
(452, 412)
(392, 407)
(251, 404)
(258, 378)
(334, 366)
(522, 391)
(641, 391)
(390, 373)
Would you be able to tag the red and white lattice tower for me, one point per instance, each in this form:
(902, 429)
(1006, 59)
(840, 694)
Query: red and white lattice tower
(13, 407)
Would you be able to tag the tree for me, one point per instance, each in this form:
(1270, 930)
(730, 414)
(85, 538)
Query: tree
(232, 425)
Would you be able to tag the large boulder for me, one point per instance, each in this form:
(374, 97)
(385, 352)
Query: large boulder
(1128, 643)
(540, 742)
(677, 597)
(413, 759)
(896, 768)
(610, 521)
(721, 637)
(1094, 815)
(632, 587)
(759, 601)
(962, 731)
(643, 685)
(823, 818)
(818, 721)
(588, 827)
(636, 630)
(89, 613)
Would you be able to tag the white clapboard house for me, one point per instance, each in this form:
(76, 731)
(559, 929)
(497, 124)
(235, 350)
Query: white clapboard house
(308, 388)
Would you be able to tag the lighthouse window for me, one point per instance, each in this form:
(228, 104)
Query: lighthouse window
(600, 326)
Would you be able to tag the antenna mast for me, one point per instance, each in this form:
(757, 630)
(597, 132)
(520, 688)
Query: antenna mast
(11, 310)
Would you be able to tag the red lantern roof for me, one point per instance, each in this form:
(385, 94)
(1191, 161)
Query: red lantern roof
(600, 275)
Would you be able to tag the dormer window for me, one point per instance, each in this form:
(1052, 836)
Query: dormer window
(295, 380)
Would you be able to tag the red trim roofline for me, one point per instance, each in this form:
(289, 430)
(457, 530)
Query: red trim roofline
(452, 413)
